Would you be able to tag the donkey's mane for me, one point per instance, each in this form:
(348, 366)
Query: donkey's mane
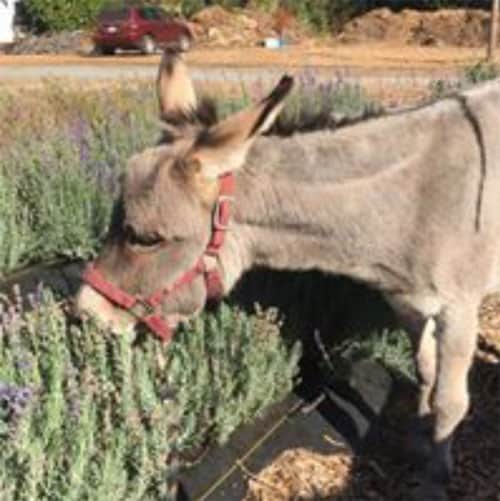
(206, 114)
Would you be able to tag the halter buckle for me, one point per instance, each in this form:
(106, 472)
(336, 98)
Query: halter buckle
(145, 309)
(218, 222)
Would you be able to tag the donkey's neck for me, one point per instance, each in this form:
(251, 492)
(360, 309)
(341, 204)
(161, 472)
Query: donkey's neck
(343, 201)
(284, 222)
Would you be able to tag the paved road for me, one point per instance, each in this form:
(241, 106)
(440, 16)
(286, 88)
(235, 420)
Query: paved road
(30, 73)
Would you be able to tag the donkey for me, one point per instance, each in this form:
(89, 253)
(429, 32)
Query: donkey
(407, 203)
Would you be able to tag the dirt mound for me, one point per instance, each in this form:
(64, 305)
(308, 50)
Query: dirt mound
(458, 27)
(217, 26)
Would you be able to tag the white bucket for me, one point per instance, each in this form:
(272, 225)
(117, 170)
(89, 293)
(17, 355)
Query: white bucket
(273, 43)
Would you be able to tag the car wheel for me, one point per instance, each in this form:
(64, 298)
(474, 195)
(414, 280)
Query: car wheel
(184, 43)
(148, 45)
(105, 51)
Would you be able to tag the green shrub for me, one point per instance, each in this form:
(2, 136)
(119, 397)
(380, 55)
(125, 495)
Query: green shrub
(314, 12)
(480, 72)
(471, 75)
(190, 7)
(266, 5)
(391, 349)
(230, 4)
(326, 15)
(85, 415)
(58, 15)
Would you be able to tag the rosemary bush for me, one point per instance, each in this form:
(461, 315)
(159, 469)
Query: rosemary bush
(84, 414)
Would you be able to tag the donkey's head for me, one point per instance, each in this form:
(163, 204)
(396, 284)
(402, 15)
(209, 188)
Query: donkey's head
(169, 210)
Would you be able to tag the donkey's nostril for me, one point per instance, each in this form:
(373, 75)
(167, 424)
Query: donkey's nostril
(87, 303)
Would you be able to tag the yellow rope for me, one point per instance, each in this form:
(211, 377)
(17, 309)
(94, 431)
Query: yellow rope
(255, 478)
(255, 446)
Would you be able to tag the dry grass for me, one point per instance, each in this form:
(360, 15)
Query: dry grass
(301, 474)
(490, 320)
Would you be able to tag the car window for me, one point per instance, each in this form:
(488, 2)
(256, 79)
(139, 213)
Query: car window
(112, 15)
(149, 13)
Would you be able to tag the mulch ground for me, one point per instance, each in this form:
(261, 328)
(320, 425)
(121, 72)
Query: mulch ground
(380, 474)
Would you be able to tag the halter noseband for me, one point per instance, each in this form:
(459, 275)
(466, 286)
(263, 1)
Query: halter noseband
(145, 309)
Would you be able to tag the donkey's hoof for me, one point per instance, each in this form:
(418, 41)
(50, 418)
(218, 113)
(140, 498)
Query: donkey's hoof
(417, 444)
(417, 448)
(429, 491)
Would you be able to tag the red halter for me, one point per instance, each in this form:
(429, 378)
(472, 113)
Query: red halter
(144, 309)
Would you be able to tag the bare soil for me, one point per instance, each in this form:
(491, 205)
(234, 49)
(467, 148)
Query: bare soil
(218, 27)
(453, 27)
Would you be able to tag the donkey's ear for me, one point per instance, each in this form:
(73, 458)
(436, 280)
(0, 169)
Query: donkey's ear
(174, 86)
(223, 147)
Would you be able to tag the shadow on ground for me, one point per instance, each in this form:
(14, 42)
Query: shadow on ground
(337, 308)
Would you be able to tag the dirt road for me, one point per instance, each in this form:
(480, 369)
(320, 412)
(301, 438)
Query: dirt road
(373, 56)
(391, 73)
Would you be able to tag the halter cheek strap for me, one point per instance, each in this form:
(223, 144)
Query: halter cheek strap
(145, 310)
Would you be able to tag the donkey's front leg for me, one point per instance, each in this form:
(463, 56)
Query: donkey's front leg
(426, 360)
(418, 442)
(456, 338)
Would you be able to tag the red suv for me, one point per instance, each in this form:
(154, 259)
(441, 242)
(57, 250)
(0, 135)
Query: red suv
(144, 28)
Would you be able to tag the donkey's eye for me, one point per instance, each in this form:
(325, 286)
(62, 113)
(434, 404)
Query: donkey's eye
(147, 240)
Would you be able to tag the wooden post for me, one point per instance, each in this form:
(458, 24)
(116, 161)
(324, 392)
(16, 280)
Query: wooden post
(493, 29)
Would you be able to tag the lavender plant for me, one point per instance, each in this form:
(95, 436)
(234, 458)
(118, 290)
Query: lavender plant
(59, 169)
(391, 349)
(84, 414)
(63, 151)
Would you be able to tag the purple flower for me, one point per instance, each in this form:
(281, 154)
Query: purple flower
(74, 407)
(78, 130)
(23, 365)
(13, 401)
